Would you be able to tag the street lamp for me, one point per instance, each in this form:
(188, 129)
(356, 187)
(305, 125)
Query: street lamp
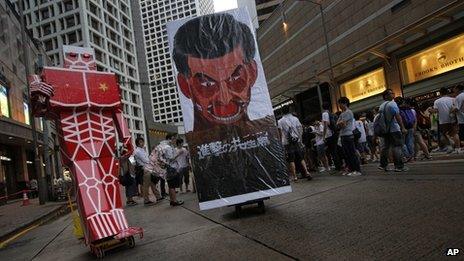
(284, 20)
(327, 48)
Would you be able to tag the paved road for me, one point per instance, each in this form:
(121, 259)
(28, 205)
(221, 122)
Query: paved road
(378, 216)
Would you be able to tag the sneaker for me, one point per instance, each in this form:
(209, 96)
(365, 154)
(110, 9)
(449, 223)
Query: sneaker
(355, 174)
(425, 157)
(322, 170)
(149, 203)
(402, 169)
(448, 149)
(344, 173)
(407, 159)
(382, 168)
(176, 203)
(131, 203)
(308, 176)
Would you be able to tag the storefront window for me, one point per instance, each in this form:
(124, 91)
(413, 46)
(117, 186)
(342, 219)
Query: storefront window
(26, 113)
(443, 57)
(41, 126)
(4, 106)
(364, 86)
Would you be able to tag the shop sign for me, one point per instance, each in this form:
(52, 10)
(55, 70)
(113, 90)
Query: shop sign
(364, 86)
(280, 106)
(438, 59)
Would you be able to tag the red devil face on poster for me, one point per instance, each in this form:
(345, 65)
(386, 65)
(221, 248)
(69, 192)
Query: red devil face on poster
(215, 59)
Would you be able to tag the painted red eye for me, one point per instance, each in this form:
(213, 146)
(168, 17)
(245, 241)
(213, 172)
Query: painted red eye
(86, 55)
(73, 54)
(204, 85)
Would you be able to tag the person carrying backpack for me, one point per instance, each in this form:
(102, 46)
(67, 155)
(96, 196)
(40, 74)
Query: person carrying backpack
(329, 122)
(389, 125)
(291, 131)
(409, 118)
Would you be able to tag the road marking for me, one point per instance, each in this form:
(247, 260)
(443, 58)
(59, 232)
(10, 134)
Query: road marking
(5, 243)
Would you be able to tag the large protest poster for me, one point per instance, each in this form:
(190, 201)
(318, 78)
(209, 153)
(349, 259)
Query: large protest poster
(230, 126)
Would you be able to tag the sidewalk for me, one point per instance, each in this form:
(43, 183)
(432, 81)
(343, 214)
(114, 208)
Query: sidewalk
(14, 217)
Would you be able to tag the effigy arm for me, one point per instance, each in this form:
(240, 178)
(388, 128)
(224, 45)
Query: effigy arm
(123, 133)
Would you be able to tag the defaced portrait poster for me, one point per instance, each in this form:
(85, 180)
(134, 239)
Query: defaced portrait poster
(230, 126)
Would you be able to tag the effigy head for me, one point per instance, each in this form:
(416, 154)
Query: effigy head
(80, 58)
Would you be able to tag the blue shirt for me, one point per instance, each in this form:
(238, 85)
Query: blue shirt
(391, 109)
(348, 117)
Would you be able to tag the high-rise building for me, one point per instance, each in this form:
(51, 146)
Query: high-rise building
(105, 26)
(251, 7)
(155, 15)
(205, 7)
(265, 8)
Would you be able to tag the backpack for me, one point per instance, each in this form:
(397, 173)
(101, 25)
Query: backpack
(408, 117)
(290, 138)
(423, 122)
(308, 135)
(381, 127)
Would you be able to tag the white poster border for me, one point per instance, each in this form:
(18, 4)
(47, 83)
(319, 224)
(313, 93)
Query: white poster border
(230, 201)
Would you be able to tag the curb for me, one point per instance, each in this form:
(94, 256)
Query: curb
(53, 214)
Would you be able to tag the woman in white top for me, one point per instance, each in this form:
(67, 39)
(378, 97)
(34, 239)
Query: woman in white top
(321, 147)
(361, 145)
(183, 164)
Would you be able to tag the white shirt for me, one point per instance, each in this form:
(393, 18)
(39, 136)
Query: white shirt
(444, 105)
(326, 118)
(141, 156)
(168, 153)
(290, 124)
(459, 103)
(360, 126)
(370, 128)
(319, 131)
(182, 158)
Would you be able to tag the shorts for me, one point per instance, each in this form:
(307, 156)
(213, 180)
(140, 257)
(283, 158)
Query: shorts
(184, 174)
(362, 147)
(321, 149)
(139, 175)
(294, 152)
(449, 129)
(461, 132)
(175, 182)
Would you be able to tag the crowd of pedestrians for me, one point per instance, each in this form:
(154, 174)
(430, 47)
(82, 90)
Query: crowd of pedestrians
(167, 163)
(398, 131)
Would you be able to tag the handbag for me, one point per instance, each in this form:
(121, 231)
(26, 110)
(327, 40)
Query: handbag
(126, 179)
(357, 134)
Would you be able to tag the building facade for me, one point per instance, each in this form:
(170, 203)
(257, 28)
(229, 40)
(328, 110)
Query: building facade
(16, 150)
(413, 47)
(105, 26)
(264, 8)
(162, 81)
